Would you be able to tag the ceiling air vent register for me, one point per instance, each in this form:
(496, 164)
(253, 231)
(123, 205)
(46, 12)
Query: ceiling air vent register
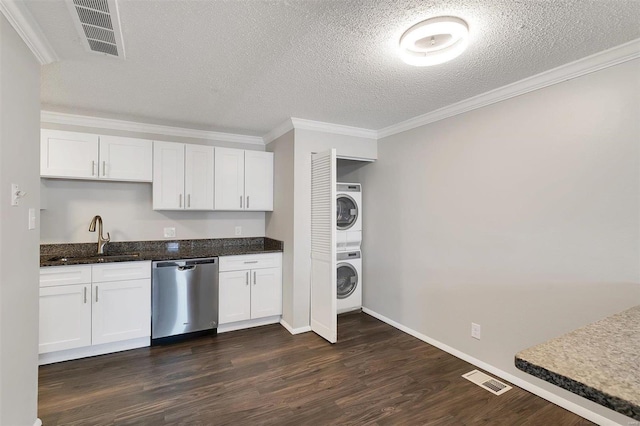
(98, 24)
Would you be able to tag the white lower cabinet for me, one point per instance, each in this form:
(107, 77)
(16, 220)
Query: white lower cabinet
(113, 304)
(250, 287)
(121, 311)
(234, 296)
(266, 292)
(65, 317)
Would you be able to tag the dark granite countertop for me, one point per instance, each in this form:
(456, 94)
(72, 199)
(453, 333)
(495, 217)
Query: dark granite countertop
(600, 362)
(86, 253)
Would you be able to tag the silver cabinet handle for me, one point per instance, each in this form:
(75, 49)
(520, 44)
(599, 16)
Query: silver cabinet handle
(188, 200)
(85, 295)
(250, 261)
(104, 169)
(254, 278)
(241, 201)
(180, 201)
(93, 168)
(96, 294)
(247, 278)
(247, 201)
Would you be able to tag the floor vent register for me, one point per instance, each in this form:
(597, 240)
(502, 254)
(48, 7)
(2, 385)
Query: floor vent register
(487, 382)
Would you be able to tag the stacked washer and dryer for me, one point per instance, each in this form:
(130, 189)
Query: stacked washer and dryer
(349, 239)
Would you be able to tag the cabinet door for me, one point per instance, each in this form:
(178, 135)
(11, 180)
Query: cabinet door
(198, 181)
(258, 183)
(125, 159)
(65, 317)
(68, 154)
(234, 297)
(121, 310)
(168, 176)
(266, 292)
(229, 179)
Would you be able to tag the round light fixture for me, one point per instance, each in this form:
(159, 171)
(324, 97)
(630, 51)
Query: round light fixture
(434, 41)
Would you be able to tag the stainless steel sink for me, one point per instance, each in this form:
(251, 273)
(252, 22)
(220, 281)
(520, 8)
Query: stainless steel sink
(98, 258)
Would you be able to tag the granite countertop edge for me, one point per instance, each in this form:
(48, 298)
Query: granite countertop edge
(85, 253)
(619, 405)
(597, 361)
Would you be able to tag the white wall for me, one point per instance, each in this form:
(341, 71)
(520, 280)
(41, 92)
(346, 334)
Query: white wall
(126, 208)
(279, 223)
(348, 171)
(523, 216)
(306, 143)
(19, 255)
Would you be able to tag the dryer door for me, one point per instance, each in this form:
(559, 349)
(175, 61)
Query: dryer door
(347, 280)
(346, 212)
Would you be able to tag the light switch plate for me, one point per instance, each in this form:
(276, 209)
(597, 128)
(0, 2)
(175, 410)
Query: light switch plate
(32, 218)
(15, 191)
(238, 231)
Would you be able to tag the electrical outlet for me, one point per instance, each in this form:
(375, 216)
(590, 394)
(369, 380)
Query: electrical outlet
(238, 230)
(170, 232)
(475, 330)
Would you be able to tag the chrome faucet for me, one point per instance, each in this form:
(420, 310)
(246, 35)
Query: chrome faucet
(102, 241)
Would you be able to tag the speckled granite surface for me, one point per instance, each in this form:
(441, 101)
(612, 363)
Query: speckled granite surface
(600, 362)
(84, 253)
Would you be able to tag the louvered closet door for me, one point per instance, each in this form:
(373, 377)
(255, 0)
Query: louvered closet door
(324, 317)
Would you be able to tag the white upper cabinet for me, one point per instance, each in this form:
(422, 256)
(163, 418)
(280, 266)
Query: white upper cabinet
(74, 155)
(198, 177)
(243, 180)
(182, 176)
(125, 159)
(229, 179)
(68, 154)
(258, 180)
(168, 176)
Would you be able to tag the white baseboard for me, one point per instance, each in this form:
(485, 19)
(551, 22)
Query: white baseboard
(107, 348)
(536, 390)
(38, 422)
(292, 330)
(240, 325)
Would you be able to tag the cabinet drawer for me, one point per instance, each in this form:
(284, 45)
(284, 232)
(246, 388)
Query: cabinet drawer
(121, 271)
(250, 261)
(65, 275)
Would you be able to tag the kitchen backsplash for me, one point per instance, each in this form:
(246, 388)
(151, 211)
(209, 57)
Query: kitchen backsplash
(126, 209)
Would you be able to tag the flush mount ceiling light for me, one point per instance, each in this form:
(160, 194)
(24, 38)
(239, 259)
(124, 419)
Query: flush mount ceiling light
(434, 41)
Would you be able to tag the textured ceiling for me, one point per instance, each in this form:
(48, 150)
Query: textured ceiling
(247, 66)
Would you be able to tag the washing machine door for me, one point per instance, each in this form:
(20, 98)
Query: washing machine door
(347, 212)
(347, 280)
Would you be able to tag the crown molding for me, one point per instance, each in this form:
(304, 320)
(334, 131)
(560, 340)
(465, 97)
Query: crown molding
(607, 58)
(280, 130)
(318, 126)
(26, 26)
(338, 129)
(157, 129)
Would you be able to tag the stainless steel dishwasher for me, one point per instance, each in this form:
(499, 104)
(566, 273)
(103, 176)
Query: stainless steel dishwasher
(184, 299)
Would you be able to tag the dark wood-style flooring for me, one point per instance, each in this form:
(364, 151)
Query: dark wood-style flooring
(375, 374)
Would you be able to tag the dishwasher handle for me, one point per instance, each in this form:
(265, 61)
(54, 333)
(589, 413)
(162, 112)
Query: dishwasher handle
(185, 264)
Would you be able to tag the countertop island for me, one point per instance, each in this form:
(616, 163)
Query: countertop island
(600, 362)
